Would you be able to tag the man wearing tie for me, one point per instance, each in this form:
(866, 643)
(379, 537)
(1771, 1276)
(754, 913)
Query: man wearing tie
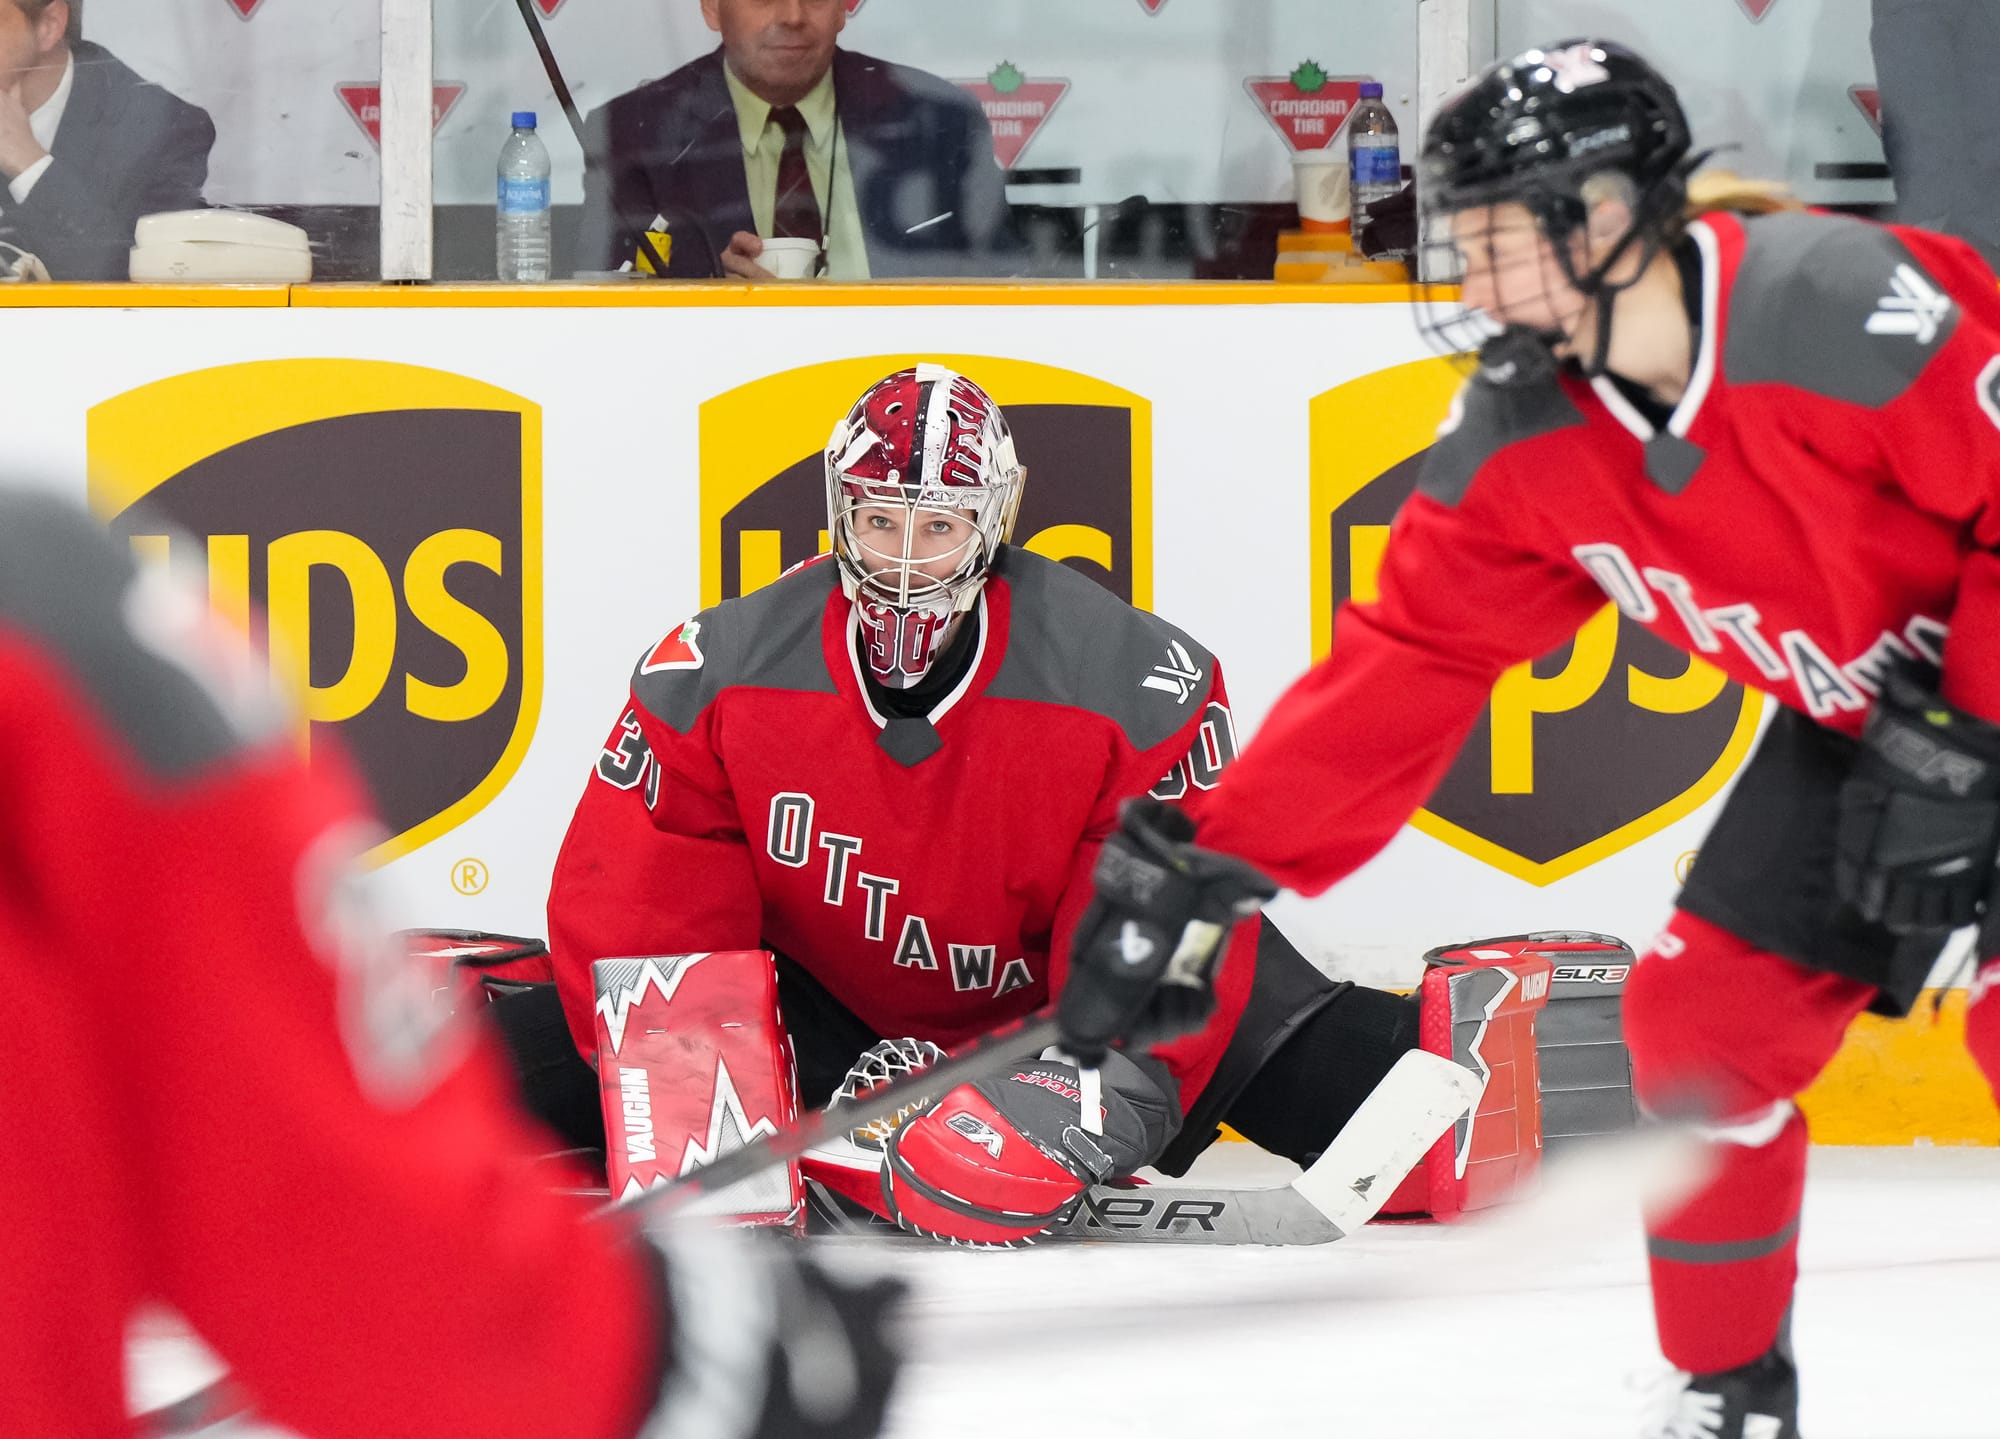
(780, 133)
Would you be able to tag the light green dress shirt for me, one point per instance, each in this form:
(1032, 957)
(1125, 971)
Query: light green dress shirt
(826, 149)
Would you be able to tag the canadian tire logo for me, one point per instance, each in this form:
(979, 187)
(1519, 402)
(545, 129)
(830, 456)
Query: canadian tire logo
(1578, 755)
(1868, 100)
(245, 8)
(853, 5)
(1308, 107)
(1756, 9)
(363, 103)
(549, 7)
(1016, 107)
(1151, 7)
(1087, 446)
(375, 530)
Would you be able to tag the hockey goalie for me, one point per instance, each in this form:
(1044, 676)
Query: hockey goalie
(850, 820)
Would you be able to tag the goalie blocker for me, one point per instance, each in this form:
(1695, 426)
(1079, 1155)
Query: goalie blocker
(693, 1062)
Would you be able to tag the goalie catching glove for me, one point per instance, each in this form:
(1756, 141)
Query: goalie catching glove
(1141, 957)
(1920, 813)
(997, 1162)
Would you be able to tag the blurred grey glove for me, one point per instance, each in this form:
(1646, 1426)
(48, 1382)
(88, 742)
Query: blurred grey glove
(765, 1343)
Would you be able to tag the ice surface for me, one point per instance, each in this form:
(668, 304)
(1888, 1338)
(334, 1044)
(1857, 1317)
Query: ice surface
(1419, 1330)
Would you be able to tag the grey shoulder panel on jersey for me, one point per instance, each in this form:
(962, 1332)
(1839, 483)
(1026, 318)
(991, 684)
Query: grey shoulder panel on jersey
(1489, 418)
(1834, 306)
(63, 583)
(769, 639)
(1073, 642)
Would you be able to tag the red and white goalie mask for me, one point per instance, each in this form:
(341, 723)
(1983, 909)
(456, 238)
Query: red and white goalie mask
(921, 490)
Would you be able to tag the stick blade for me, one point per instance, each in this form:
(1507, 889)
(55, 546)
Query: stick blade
(1421, 1097)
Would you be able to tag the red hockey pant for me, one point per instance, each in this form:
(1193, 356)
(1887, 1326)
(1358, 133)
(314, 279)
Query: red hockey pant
(1733, 1033)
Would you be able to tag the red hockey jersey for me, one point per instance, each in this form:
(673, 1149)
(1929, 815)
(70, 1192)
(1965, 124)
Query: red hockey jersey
(927, 872)
(219, 1098)
(1824, 499)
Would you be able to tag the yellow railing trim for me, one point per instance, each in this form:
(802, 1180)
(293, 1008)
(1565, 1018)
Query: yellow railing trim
(697, 294)
(709, 293)
(144, 297)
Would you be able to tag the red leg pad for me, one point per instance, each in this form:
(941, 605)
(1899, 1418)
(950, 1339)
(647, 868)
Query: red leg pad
(1477, 1006)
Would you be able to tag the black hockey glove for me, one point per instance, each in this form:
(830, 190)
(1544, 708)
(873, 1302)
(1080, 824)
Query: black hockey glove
(1920, 814)
(765, 1343)
(1141, 957)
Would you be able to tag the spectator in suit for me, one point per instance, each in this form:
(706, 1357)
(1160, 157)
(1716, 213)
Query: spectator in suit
(779, 132)
(86, 145)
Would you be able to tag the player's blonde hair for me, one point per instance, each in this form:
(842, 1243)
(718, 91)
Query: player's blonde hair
(1740, 194)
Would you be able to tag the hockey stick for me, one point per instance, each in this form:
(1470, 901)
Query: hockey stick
(1600, 1182)
(554, 71)
(224, 1399)
(1420, 1098)
(560, 85)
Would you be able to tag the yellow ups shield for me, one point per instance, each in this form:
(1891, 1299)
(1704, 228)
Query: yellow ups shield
(386, 519)
(1087, 446)
(1579, 754)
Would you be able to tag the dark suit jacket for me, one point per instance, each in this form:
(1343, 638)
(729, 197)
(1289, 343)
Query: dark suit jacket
(125, 148)
(931, 196)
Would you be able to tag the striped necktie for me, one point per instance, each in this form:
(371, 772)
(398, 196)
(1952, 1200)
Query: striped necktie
(796, 210)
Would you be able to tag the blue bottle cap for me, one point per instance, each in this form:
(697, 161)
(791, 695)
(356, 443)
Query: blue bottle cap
(1370, 90)
(525, 119)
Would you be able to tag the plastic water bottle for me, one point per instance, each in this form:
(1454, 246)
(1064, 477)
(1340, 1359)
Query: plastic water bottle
(1374, 160)
(521, 222)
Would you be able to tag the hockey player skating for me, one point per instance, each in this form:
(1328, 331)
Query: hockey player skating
(1773, 438)
(227, 1095)
(894, 767)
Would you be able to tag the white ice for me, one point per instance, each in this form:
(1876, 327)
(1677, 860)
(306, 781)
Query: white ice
(1419, 1330)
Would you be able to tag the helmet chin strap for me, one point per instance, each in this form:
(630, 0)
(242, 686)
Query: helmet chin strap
(1649, 214)
(1525, 354)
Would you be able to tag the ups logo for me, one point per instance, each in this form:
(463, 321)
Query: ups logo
(1087, 446)
(385, 523)
(1585, 751)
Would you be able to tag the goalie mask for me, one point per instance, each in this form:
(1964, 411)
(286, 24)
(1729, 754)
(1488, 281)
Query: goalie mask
(921, 490)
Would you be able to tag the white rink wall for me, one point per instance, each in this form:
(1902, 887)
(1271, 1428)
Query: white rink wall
(1247, 423)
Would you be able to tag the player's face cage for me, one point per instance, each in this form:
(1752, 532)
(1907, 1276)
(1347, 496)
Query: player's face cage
(1502, 290)
(1516, 281)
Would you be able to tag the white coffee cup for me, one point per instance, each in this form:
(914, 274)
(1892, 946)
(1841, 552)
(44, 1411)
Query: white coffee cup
(790, 257)
(1321, 179)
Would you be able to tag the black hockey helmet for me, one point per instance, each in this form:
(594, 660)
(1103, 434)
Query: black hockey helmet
(1531, 130)
(1542, 122)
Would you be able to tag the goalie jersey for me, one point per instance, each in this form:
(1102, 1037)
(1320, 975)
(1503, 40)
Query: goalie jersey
(926, 871)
